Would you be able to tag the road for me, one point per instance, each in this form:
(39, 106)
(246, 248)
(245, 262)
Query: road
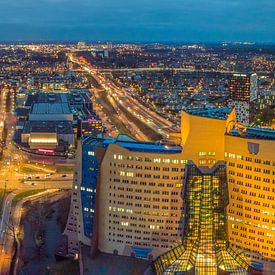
(10, 227)
(14, 160)
(5, 219)
(122, 97)
(145, 69)
(6, 237)
(12, 177)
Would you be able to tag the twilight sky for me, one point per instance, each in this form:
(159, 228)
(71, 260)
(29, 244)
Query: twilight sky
(138, 20)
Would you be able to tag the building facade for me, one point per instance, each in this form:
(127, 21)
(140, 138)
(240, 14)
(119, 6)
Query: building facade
(266, 100)
(205, 248)
(49, 123)
(129, 197)
(243, 96)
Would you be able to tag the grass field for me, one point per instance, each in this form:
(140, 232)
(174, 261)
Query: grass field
(25, 194)
(64, 169)
(53, 168)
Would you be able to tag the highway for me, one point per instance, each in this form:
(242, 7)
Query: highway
(122, 97)
(112, 130)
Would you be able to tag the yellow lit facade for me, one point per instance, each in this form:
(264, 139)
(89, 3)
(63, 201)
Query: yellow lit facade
(138, 194)
(251, 181)
(250, 174)
(140, 201)
(42, 140)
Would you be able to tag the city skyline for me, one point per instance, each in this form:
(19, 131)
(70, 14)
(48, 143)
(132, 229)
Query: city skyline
(176, 21)
(137, 137)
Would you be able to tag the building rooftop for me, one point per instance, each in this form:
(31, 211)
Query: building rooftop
(51, 108)
(217, 113)
(132, 145)
(73, 97)
(52, 98)
(255, 133)
(59, 127)
(76, 102)
(78, 97)
(22, 112)
(266, 133)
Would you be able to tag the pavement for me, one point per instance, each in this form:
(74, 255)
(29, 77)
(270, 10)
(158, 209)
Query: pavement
(6, 234)
(4, 230)
(10, 226)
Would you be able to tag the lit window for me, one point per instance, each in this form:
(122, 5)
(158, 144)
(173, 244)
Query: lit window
(231, 155)
(156, 160)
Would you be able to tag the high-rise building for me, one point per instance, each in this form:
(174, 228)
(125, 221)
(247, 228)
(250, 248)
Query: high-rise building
(81, 45)
(243, 96)
(121, 195)
(90, 126)
(205, 248)
(266, 100)
(215, 190)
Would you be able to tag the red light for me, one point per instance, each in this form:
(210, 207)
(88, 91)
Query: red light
(45, 150)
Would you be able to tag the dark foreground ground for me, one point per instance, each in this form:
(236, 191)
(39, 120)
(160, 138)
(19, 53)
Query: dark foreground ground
(43, 225)
(105, 264)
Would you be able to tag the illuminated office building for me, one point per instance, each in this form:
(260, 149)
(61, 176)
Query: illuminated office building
(266, 100)
(205, 248)
(90, 126)
(137, 187)
(243, 96)
(143, 199)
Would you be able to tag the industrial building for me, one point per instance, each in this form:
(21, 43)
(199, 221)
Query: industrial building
(49, 123)
(152, 201)
(48, 135)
